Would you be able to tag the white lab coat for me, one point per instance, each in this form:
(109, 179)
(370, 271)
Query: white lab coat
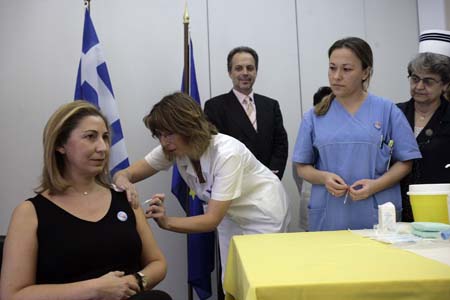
(259, 201)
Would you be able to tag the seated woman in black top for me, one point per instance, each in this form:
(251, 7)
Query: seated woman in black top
(78, 238)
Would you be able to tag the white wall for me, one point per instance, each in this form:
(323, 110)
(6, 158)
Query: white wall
(142, 41)
(447, 14)
(432, 14)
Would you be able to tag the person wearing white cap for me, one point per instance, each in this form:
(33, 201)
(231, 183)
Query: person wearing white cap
(428, 112)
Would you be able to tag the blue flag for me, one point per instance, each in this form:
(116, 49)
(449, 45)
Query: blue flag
(200, 245)
(93, 85)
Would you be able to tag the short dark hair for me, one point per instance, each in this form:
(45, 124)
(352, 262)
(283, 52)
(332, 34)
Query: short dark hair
(240, 50)
(321, 92)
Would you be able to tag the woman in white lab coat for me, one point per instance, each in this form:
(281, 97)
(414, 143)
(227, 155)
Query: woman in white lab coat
(242, 195)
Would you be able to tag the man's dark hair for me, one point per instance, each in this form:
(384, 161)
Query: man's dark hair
(240, 50)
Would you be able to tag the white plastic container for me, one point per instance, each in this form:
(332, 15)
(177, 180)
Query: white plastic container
(386, 217)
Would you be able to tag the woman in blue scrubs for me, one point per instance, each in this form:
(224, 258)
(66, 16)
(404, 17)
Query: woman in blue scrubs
(354, 147)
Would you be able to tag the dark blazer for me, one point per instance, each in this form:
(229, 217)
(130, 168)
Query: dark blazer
(269, 144)
(434, 144)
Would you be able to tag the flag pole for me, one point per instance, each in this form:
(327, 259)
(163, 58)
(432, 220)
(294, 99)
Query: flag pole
(187, 87)
(186, 51)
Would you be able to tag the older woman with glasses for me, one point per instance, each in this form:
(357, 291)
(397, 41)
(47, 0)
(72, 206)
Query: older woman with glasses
(428, 112)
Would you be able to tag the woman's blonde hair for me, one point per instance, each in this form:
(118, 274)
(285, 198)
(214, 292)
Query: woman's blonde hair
(179, 113)
(363, 51)
(57, 130)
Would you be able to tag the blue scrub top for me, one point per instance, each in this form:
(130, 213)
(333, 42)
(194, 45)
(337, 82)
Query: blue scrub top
(353, 147)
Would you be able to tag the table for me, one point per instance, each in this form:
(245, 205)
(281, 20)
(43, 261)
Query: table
(329, 265)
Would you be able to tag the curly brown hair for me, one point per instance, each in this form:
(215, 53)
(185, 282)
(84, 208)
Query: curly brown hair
(179, 113)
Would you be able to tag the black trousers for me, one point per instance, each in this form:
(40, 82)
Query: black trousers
(151, 295)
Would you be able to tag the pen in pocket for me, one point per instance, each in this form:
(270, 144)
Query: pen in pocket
(391, 148)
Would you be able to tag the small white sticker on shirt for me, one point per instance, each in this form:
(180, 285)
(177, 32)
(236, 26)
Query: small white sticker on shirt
(122, 216)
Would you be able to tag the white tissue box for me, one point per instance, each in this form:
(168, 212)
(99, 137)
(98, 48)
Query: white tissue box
(386, 217)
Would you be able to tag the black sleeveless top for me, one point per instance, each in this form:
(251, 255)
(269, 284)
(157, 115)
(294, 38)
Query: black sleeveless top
(71, 249)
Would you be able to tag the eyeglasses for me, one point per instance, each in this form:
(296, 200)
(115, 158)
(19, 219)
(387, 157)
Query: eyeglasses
(427, 81)
(166, 135)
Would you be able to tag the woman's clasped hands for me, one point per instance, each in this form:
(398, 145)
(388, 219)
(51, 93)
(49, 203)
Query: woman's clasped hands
(359, 190)
(116, 286)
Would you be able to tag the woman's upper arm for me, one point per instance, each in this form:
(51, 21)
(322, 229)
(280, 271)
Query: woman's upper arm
(150, 249)
(140, 170)
(20, 251)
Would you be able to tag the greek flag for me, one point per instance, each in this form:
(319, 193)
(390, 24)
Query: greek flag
(93, 85)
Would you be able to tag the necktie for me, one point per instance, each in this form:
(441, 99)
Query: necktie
(250, 110)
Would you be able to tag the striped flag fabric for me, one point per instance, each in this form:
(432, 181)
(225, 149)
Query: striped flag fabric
(94, 85)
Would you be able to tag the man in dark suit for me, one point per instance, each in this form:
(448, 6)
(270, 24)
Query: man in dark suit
(253, 119)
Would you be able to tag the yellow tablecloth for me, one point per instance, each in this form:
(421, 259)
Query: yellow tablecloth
(329, 265)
